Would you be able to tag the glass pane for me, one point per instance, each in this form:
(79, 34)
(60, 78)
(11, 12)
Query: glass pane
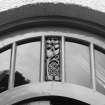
(4, 69)
(27, 63)
(77, 64)
(100, 71)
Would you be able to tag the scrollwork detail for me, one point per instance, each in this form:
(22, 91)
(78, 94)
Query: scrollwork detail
(53, 58)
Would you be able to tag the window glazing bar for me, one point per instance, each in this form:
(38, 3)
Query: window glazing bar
(42, 57)
(92, 65)
(63, 59)
(12, 65)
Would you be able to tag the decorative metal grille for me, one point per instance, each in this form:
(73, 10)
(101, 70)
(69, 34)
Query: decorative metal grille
(53, 58)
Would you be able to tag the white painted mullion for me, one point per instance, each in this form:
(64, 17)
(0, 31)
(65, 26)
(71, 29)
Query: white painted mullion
(92, 58)
(63, 58)
(42, 58)
(12, 65)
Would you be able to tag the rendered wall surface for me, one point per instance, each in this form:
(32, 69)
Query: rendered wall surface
(93, 4)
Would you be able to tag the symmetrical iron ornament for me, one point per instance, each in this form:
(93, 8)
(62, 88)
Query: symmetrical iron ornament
(52, 58)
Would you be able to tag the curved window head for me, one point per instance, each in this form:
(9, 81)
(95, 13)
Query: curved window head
(35, 103)
(36, 58)
(51, 100)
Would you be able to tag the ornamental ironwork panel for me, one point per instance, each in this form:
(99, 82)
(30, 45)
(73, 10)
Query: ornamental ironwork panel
(53, 58)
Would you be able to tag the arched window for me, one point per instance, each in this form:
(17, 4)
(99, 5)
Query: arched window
(35, 57)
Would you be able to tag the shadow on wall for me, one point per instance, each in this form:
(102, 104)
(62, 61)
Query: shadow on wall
(4, 80)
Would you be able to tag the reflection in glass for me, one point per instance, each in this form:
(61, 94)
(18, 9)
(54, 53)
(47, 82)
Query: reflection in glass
(4, 69)
(100, 71)
(77, 64)
(27, 63)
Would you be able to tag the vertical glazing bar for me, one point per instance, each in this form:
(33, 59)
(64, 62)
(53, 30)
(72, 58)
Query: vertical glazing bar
(92, 65)
(42, 58)
(12, 65)
(63, 59)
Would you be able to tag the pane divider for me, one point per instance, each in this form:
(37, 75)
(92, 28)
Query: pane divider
(12, 65)
(63, 59)
(42, 58)
(92, 59)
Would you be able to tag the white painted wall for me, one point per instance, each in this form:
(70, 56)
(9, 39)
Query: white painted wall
(94, 4)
